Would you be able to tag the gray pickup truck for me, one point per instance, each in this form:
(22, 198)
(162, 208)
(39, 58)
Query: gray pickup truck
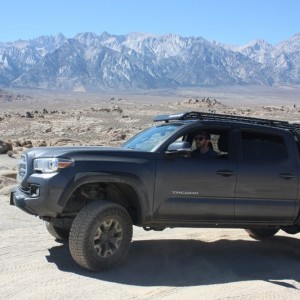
(91, 197)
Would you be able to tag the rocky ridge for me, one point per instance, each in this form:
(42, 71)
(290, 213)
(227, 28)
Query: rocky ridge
(112, 123)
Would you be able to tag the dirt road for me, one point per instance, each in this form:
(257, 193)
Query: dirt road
(173, 264)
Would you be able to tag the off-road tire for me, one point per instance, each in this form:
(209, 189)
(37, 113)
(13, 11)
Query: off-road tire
(100, 236)
(261, 233)
(60, 234)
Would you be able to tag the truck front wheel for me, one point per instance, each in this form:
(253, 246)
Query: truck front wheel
(262, 233)
(100, 235)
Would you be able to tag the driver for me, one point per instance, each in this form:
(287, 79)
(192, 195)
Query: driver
(204, 147)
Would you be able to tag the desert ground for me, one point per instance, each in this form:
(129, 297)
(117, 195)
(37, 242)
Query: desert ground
(172, 264)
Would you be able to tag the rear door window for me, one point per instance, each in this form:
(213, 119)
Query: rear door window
(263, 147)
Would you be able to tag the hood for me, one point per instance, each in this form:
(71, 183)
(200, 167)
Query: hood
(69, 152)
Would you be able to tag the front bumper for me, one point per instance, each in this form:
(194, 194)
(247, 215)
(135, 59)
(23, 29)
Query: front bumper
(41, 198)
(19, 199)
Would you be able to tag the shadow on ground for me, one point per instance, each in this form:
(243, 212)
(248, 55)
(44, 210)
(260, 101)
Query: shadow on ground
(194, 262)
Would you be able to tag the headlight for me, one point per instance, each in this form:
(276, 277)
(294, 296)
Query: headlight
(50, 165)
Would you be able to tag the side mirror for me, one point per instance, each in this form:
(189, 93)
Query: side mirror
(179, 148)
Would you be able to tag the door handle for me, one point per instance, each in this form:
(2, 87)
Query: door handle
(225, 172)
(286, 175)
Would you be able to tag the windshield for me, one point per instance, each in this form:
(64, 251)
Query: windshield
(151, 138)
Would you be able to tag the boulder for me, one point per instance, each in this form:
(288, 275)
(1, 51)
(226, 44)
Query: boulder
(5, 147)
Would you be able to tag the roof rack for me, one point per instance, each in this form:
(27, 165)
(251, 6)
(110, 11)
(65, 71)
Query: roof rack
(197, 115)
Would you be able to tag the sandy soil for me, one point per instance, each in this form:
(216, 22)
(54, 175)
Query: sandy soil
(173, 264)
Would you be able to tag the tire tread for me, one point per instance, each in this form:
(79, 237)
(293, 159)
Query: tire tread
(78, 244)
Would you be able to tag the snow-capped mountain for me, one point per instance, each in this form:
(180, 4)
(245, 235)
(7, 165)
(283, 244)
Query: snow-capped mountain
(89, 62)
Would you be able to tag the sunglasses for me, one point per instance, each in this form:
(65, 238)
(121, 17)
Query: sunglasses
(199, 138)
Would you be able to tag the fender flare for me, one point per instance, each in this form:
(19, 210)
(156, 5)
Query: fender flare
(145, 205)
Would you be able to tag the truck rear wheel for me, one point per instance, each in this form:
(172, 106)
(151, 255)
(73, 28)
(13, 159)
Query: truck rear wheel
(100, 236)
(60, 234)
(262, 233)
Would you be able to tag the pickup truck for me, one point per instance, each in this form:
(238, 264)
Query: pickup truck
(91, 196)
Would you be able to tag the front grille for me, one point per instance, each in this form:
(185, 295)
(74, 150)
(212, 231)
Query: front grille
(22, 168)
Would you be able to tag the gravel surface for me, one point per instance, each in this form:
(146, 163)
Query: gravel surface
(172, 264)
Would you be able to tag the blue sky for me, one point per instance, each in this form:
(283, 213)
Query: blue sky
(227, 21)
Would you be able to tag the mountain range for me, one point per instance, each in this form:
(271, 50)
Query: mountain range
(90, 62)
